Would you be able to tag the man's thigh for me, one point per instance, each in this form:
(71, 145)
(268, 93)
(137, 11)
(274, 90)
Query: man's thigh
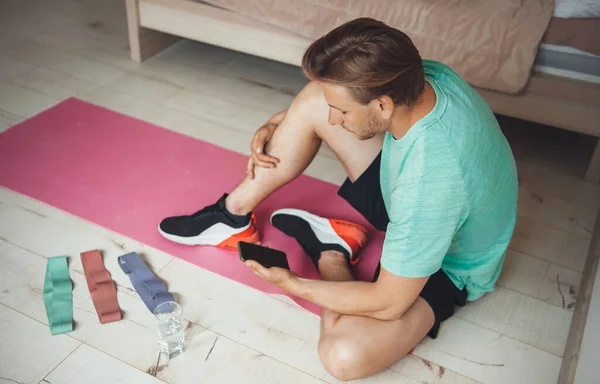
(355, 155)
(364, 195)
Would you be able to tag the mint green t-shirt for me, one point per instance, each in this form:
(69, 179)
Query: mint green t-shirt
(450, 189)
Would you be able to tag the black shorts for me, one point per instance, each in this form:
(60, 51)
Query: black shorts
(365, 196)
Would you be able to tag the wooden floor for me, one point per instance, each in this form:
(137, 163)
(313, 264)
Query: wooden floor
(53, 50)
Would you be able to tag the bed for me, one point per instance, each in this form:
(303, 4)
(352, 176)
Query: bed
(550, 75)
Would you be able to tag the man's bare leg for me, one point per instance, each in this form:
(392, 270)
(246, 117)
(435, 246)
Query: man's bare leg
(296, 142)
(349, 346)
(353, 347)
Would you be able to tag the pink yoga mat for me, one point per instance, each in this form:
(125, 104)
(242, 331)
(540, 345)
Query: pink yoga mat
(126, 175)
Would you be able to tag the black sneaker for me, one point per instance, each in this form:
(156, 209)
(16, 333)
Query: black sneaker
(212, 225)
(318, 234)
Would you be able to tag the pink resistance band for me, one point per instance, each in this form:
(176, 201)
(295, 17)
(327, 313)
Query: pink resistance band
(101, 286)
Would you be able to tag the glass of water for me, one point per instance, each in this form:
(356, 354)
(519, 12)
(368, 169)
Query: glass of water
(171, 338)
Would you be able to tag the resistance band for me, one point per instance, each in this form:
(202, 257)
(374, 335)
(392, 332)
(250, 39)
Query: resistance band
(58, 295)
(150, 288)
(101, 286)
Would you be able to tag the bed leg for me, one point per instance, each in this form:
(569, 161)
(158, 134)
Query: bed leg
(593, 172)
(143, 42)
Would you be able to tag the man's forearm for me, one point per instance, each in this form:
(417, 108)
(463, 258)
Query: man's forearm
(346, 297)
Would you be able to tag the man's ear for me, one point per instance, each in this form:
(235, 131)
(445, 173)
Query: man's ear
(385, 105)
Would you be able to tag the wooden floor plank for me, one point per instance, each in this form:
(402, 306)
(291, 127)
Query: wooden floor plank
(12, 68)
(22, 102)
(545, 181)
(552, 244)
(557, 213)
(286, 78)
(218, 110)
(587, 363)
(520, 317)
(147, 89)
(54, 84)
(210, 358)
(489, 357)
(33, 53)
(540, 279)
(90, 366)
(87, 70)
(412, 366)
(29, 351)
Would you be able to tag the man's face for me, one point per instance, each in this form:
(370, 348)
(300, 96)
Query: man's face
(364, 121)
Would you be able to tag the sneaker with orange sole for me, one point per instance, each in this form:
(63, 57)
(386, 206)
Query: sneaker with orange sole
(318, 234)
(212, 225)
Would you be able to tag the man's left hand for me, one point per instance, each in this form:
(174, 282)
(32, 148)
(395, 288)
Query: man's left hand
(280, 277)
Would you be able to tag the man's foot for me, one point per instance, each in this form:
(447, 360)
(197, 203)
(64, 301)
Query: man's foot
(212, 225)
(317, 234)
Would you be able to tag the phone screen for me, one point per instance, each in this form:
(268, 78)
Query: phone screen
(267, 257)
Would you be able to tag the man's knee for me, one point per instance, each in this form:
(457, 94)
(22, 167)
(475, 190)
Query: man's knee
(310, 104)
(343, 359)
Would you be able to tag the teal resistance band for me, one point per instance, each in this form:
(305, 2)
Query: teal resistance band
(58, 296)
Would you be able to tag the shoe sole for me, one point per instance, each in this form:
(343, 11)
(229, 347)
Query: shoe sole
(219, 235)
(327, 231)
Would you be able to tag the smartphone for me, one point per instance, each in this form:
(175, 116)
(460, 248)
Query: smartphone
(267, 257)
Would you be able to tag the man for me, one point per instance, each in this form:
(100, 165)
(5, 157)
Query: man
(426, 162)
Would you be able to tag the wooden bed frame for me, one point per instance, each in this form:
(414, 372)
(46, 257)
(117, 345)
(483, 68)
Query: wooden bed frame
(552, 100)
(155, 24)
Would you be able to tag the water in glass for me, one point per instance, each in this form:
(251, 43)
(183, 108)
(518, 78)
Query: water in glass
(171, 338)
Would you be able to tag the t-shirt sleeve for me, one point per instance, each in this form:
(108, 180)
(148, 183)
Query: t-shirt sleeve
(428, 204)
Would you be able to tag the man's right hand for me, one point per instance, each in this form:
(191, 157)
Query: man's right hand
(259, 142)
